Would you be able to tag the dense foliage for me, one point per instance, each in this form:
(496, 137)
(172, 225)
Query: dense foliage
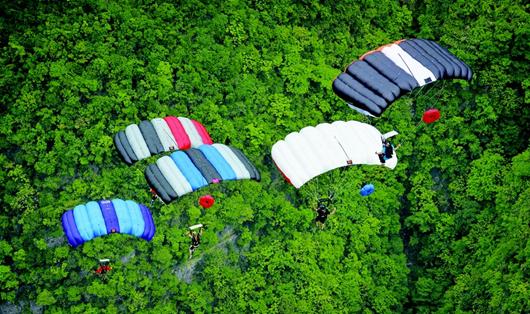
(446, 231)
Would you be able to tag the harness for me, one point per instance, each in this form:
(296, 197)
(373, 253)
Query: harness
(195, 241)
(384, 150)
(322, 210)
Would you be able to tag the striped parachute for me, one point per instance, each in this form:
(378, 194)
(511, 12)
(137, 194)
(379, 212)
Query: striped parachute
(94, 219)
(313, 151)
(186, 171)
(383, 75)
(140, 141)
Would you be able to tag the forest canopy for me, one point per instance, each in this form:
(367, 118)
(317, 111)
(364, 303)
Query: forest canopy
(446, 231)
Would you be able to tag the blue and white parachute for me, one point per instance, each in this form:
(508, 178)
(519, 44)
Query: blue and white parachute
(95, 219)
(183, 172)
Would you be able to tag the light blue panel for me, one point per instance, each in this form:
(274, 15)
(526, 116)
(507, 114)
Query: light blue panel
(188, 169)
(96, 219)
(219, 163)
(82, 223)
(138, 223)
(122, 212)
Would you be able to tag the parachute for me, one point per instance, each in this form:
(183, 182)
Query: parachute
(94, 219)
(186, 171)
(383, 75)
(315, 150)
(197, 226)
(206, 201)
(430, 116)
(148, 138)
(367, 190)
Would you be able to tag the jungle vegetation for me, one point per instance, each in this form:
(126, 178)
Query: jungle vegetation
(447, 231)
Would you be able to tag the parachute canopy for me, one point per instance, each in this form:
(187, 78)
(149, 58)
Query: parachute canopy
(140, 141)
(367, 190)
(388, 135)
(206, 201)
(383, 75)
(186, 171)
(94, 219)
(197, 226)
(315, 150)
(431, 115)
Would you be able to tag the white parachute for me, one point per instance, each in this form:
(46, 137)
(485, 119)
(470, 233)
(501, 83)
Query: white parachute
(303, 155)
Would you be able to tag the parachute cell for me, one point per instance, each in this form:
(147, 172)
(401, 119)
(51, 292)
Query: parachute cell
(206, 139)
(151, 138)
(238, 167)
(149, 224)
(380, 77)
(138, 223)
(191, 130)
(137, 141)
(313, 151)
(187, 171)
(254, 173)
(124, 217)
(192, 174)
(82, 222)
(109, 215)
(94, 219)
(159, 183)
(178, 131)
(217, 160)
(174, 176)
(164, 134)
(204, 166)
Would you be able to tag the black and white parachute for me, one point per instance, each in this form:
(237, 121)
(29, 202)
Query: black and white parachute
(381, 76)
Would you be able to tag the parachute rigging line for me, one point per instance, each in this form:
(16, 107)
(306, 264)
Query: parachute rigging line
(437, 92)
(348, 157)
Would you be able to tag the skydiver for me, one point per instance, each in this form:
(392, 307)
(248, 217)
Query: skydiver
(323, 211)
(195, 240)
(387, 151)
(104, 267)
(154, 196)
